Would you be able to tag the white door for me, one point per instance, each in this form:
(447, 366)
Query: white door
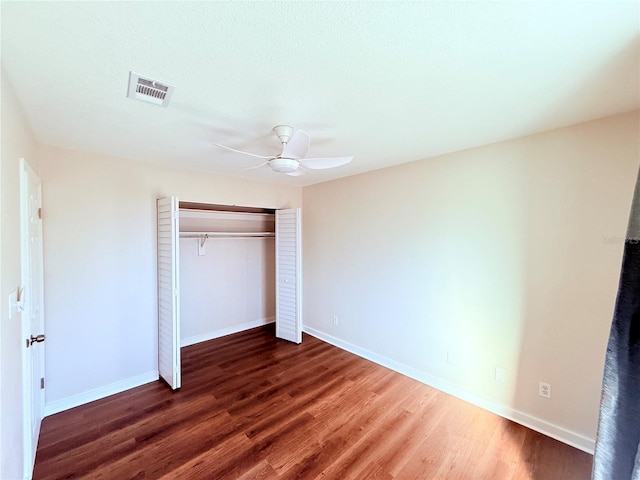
(169, 292)
(31, 296)
(289, 275)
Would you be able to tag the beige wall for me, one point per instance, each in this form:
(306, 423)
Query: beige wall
(17, 142)
(228, 289)
(100, 263)
(502, 256)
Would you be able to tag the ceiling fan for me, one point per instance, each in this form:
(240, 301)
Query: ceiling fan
(291, 160)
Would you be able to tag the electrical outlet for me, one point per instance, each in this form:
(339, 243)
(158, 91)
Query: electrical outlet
(501, 375)
(544, 389)
(335, 320)
(451, 358)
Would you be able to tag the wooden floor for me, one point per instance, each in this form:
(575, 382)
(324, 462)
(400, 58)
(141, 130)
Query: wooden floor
(252, 406)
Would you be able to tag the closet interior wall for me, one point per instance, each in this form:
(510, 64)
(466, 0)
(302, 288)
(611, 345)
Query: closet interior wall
(227, 271)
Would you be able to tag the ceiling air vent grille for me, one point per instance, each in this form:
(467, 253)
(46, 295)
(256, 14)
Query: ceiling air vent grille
(148, 90)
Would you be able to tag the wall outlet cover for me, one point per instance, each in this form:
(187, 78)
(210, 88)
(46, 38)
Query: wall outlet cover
(544, 389)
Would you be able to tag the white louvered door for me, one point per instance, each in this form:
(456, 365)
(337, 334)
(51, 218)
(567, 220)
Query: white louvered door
(289, 275)
(168, 292)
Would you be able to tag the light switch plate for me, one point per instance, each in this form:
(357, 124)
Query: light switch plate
(13, 299)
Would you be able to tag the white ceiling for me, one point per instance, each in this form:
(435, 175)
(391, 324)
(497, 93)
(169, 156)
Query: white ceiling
(387, 82)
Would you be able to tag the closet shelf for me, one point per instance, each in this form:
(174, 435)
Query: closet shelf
(225, 234)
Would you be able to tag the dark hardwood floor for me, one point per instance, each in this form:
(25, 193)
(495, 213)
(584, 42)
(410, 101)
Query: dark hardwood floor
(252, 406)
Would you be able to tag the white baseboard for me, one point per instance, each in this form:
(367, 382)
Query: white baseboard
(185, 342)
(98, 393)
(561, 434)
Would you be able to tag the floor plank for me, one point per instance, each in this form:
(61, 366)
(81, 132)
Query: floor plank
(255, 407)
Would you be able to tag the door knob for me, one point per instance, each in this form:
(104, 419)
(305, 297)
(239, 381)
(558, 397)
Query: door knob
(37, 339)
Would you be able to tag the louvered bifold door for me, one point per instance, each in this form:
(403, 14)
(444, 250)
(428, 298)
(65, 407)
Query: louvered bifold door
(168, 292)
(289, 275)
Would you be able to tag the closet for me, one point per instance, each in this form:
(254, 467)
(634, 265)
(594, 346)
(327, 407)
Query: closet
(222, 269)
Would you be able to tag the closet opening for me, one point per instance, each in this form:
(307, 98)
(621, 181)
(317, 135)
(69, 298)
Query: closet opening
(227, 270)
(221, 270)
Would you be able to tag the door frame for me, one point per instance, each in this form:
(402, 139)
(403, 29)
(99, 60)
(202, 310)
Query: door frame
(37, 288)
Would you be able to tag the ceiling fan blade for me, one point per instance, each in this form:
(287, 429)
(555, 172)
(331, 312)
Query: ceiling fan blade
(327, 162)
(244, 153)
(258, 166)
(297, 147)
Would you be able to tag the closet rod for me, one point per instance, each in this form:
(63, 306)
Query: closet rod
(225, 234)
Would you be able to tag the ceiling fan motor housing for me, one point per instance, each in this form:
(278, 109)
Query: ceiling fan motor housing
(284, 165)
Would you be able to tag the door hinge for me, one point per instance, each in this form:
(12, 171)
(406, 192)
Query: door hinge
(40, 213)
(42, 383)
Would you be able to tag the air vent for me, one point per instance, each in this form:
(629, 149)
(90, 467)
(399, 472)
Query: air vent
(148, 90)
